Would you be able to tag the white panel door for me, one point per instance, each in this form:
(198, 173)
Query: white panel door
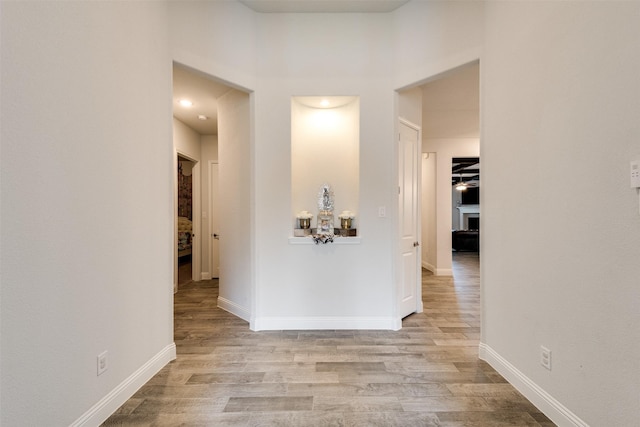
(409, 286)
(214, 215)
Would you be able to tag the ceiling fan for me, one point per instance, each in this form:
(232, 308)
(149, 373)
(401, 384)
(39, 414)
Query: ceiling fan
(461, 185)
(465, 167)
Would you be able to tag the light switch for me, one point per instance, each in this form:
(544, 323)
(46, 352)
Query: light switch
(382, 211)
(635, 174)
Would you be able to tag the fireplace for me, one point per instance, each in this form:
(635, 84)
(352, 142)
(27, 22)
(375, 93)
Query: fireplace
(473, 223)
(468, 213)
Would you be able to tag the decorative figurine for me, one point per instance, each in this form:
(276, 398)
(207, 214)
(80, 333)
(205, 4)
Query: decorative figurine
(325, 214)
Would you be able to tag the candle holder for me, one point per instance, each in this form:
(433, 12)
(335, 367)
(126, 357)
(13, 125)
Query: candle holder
(346, 218)
(304, 223)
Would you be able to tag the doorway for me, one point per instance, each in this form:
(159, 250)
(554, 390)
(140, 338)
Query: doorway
(185, 235)
(195, 139)
(450, 114)
(212, 127)
(465, 219)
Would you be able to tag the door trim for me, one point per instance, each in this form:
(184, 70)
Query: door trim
(209, 237)
(196, 209)
(418, 291)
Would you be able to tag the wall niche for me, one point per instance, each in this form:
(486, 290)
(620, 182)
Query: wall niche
(325, 149)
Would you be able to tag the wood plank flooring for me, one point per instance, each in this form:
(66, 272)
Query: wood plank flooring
(184, 271)
(427, 374)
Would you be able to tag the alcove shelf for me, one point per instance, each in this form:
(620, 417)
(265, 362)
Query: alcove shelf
(325, 152)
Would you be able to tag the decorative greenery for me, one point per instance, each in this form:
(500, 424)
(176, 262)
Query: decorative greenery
(323, 238)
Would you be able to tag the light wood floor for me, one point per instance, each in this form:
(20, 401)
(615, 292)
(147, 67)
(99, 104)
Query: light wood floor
(184, 271)
(427, 374)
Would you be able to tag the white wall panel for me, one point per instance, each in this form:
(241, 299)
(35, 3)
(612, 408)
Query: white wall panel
(87, 205)
(561, 98)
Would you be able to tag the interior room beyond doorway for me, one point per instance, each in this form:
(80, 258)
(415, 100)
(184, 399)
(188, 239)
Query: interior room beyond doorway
(195, 139)
(465, 209)
(185, 239)
(451, 136)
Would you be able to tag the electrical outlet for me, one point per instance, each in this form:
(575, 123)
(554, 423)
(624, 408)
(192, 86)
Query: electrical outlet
(102, 363)
(545, 357)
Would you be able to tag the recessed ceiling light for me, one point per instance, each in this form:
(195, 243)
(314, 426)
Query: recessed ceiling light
(186, 103)
(324, 103)
(203, 117)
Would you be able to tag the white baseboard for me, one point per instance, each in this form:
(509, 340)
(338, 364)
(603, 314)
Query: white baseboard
(437, 271)
(233, 308)
(319, 323)
(428, 266)
(119, 395)
(553, 409)
(205, 275)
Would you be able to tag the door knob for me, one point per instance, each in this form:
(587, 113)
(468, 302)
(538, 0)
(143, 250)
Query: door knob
(216, 236)
(416, 244)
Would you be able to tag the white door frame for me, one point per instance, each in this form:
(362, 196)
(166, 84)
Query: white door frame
(196, 246)
(399, 263)
(196, 208)
(210, 239)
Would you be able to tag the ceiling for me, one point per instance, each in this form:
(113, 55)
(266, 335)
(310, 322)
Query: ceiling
(465, 169)
(459, 89)
(451, 111)
(203, 92)
(451, 104)
(323, 6)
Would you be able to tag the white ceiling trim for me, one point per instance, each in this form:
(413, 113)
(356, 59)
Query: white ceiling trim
(323, 6)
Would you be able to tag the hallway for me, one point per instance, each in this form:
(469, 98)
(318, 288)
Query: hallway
(426, 374)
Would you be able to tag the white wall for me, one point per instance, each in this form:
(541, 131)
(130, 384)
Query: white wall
(209, 147)
(456, 200)
(208, 153)
(334, 286)
(87, 212)
(186, 140)
(410, 106)
(431, 38)
(561, 101)
(236, 205)
(215, 37)
(429, 212)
